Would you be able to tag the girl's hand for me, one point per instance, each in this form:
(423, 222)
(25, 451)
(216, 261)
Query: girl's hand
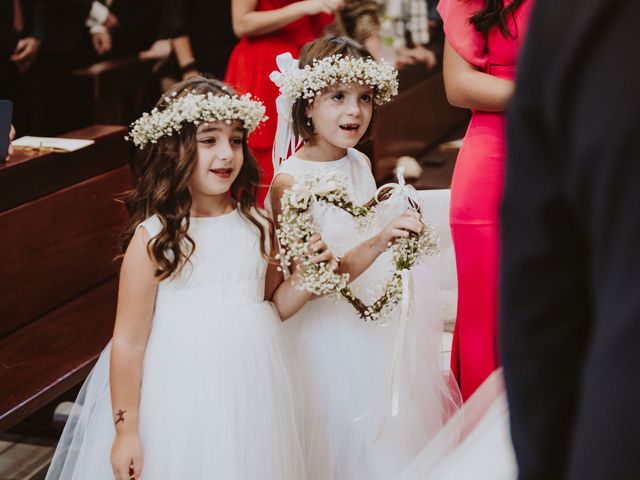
(126, 456)
(401, 227)
(320, 251)
(314, 7)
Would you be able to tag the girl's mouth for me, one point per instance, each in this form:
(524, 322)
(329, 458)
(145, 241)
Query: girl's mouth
(222, 172)
(350, 127)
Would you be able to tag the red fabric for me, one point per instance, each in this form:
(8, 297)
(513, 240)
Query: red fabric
(250, 64)
(476, 192)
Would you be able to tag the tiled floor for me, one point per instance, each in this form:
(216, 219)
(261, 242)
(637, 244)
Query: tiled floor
(21, 458)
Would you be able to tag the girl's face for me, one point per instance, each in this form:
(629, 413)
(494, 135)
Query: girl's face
(220, 158)
(341, 114)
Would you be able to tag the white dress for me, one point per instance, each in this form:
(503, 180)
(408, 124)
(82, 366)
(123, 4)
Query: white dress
(475, 444)
(344, 362)
(217, 398)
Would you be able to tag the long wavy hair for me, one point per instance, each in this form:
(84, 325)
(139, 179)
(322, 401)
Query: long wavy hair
(494, 13)
(162, 173)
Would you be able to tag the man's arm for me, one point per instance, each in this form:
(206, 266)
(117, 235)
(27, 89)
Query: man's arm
(543, 313)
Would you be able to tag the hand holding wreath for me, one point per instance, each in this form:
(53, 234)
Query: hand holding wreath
(407, 237)
(402, 227)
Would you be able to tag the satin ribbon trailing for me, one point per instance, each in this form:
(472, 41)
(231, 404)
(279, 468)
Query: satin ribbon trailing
(285, 141)
(405, 322)
(408, 192)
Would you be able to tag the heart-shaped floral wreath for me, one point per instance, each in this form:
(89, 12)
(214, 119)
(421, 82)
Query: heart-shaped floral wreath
(296, 226)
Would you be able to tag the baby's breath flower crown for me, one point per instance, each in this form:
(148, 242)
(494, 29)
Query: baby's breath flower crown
(195, 108)
(296, 227)
(309, 81)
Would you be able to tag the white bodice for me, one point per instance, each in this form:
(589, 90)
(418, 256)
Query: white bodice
(225, 270)
(337, 226)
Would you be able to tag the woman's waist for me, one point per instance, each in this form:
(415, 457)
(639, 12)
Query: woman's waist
(506, 72)
(486, 130)
(287, 39)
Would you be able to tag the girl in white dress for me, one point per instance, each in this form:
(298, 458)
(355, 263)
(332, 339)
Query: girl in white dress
(195, 383)
(327, 99)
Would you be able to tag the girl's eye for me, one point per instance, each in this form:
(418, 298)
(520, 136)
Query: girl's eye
(237, 141)
(338, 96)
(208, 141)
(366, 98)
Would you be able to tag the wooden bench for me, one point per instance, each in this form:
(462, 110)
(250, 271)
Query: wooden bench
(59, 224)
(119, 88)
(415, 122)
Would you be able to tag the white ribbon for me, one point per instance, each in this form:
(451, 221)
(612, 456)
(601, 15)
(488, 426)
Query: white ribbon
(303, 194)
(406, 319)
(285, 140)
(408, 192)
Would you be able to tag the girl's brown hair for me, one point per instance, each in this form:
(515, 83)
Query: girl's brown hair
(326, 46)
(163, 171)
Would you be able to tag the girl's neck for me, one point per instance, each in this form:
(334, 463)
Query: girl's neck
(211, 206)
(318, 150)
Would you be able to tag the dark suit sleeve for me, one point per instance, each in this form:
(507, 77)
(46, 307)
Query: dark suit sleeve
(174, 21)
(34, 18)
(543, 320)
(74, 10)
(570, 307)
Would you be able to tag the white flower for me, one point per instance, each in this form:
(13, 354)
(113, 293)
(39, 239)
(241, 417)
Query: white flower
(195, 108)
(309, 81)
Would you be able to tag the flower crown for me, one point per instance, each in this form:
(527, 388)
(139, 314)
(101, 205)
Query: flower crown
(309, 81)
(296, 83)
(195, 108)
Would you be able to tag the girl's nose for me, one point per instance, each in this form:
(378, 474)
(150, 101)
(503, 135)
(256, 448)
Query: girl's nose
(225, 152)
(353, 107)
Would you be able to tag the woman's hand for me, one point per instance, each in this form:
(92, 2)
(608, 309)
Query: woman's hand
(126, 456)
(401, 227)
(314, 7)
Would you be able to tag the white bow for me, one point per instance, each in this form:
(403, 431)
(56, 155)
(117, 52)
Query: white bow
(303, 193)
(285, 140)
(408, 192)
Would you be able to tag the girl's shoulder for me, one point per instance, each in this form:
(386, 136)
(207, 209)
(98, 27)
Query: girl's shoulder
(360, 158)
(153, 225)
(291, 166)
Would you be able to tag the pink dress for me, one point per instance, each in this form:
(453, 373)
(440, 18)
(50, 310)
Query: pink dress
(476, 192)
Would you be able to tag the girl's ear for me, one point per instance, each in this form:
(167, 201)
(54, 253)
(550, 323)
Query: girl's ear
(307, 111)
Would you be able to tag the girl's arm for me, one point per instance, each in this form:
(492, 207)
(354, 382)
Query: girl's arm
(359, 258)
(136, 298)
(468, 87)
(288, 299)
(248, 22)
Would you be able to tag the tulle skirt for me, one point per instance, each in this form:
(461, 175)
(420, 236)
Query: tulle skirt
(475, 444)
(217, 401)
(345, 367)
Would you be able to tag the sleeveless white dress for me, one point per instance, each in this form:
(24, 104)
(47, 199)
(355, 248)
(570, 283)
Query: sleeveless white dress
(344, 362)
(217, 398)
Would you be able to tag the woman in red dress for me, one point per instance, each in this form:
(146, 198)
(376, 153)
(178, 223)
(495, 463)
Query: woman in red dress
(267, 28)
(483, 38)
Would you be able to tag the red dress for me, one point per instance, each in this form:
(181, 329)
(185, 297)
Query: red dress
(251, 62)
(476, 192)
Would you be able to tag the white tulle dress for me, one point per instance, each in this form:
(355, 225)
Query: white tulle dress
(475, 444)
(217, 398)
(344, 362)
